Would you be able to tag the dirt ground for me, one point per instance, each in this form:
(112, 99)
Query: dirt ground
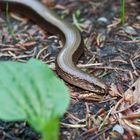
(112, 53)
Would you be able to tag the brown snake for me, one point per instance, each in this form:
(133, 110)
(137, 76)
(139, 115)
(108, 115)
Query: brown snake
(72, 50)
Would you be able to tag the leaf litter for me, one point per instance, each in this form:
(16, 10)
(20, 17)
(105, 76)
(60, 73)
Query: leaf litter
(110, 53)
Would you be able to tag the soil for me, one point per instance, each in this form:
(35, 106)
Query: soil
(112, 52)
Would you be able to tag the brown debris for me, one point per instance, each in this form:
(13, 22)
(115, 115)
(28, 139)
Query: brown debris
(128, 108)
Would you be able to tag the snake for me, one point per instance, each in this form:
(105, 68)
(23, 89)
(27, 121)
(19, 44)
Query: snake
(73, 46)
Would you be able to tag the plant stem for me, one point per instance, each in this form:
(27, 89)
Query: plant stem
(10, 29)
(122, 11)
(51, 130)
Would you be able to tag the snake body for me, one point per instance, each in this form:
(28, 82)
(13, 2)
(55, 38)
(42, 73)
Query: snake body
(73, 46)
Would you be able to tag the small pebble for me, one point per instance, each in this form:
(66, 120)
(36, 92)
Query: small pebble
(1, 20)
(87, 23)
(102, 21)
(118, 128)
(53, 44)
(138, 17)
(130, 30)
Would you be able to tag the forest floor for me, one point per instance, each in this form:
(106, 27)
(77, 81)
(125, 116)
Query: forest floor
(112, 53)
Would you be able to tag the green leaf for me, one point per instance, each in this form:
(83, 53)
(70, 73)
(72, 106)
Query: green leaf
(78, 13)
(31, 91)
